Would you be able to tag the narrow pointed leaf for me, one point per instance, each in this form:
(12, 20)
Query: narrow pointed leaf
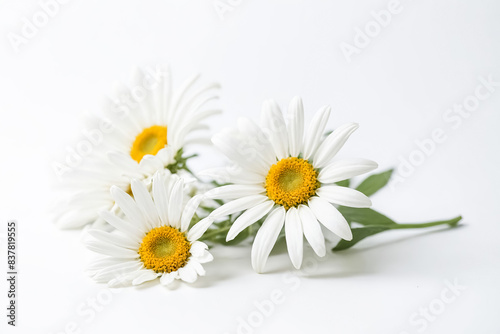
(365, 216)
(374, 183)
(359, 234)
(343, 183)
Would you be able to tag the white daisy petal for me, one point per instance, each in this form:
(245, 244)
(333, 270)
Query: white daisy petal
(108, 273)
(199, 228)
(131, 230)
(101, 263)
(294, 237)
(238, 205)
(168, 278)
(203, 115)
(200, 271)
(246, 177)
(206, 257)
(124, 279)
(151, 163)
(160, 197)
(198, 248)
(344, 196)
(227, 148)
(234, 191)
(146, 275)
(332, 144)
(345, 169)
(188, 273)
(165, 96)
(315, 132)
(175, 204)
(259, 139)
(295, 126)
(127, 279)
(312, 230)
(114, 239)
(330, 217)
(124, 161)
(232, 148)
(146, 108)
(111, 250)
(166, 155)
(232, 174)
(249, 217)
(189, 210)
(129, 207)
(196, 103)
(178, 100)
(266, 238)
(77, 219)
(145, 202)
(274, 123)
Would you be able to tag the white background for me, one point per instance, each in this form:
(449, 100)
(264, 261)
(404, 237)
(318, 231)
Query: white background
(426, 60)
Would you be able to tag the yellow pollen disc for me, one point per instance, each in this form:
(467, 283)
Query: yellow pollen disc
(164, 249)
(149, 141)
(291, 181)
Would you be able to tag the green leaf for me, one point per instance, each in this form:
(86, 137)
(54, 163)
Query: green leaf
(365, 216)
(374, 183)
(344, 183)
(359, 234)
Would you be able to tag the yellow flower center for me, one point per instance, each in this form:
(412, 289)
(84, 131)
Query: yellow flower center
(149, 141)
(291, 181)
(164, 249)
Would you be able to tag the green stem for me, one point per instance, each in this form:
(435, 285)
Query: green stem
(190, 156)
(452, 222)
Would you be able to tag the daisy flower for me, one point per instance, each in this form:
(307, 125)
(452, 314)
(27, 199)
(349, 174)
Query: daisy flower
(151, 128)
(287, 177)
(152, 239)
(152, 117)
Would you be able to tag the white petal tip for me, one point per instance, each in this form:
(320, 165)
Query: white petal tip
(348, 238)
(257, 268)
(321, 252)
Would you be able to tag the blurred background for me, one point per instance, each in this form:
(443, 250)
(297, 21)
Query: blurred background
(421, 77)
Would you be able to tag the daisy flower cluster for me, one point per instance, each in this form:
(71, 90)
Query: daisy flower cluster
(149, 216)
